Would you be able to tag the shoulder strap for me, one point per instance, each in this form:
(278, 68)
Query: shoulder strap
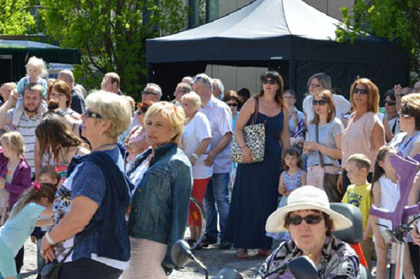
(255, 116)
(321, 158)
(79, 241)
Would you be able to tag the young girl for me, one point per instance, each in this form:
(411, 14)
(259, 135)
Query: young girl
(291, 178)
(15, 173)
(35, 70)
(47, 174)
(21, 223)
(386, 195)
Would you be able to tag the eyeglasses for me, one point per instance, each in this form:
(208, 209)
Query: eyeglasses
(149, 93)
(91, 114)
(389, 103)
(232, 104)
(314, 85)
(320, 102)
(310, 219)
(360, 91)
(269, 81)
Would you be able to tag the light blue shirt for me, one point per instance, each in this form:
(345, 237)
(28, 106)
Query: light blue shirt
(327, 134)
(17, 229)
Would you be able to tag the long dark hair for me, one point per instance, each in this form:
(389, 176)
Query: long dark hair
(378, 170)
(279, 93)
(53, 134)
(326, 95)
(34, 194)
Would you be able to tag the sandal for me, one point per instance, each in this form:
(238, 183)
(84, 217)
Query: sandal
(242, 253)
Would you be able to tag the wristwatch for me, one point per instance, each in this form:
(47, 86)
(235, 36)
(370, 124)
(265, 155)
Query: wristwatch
(195, 156)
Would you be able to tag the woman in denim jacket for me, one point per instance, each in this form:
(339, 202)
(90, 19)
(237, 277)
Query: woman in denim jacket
(162, 177)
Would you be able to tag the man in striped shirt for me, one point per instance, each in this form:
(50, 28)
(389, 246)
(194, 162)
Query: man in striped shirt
(28, 120)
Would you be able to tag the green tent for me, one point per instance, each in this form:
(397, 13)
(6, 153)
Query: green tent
(14, 55)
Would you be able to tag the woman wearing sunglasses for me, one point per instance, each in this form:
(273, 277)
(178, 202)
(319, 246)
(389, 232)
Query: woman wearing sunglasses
(323, 139)
(391, 112)
(254, 196)
(90, 206)
(310, 221)
(233, 103)
(317, 83)
(365, 131)
(408, 143)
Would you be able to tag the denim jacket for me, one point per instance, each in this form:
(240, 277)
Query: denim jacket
(159, 206)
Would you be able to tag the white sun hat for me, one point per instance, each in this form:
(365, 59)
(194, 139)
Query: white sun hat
(305, 198)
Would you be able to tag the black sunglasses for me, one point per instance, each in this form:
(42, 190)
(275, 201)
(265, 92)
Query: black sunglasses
(91, 114)
(390, 103)
(310, 219)
(270, 81)
(232, 104)
(360, 91)
(320, 102)
(148, 93)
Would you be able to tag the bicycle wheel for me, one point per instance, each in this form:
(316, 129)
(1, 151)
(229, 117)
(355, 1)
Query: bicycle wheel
(198, 215)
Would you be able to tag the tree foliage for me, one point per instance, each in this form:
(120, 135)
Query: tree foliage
(111, 34)
(15, 18)
(396, 20)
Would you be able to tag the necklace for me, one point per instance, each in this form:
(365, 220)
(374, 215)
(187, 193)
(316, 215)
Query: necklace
(104, 145)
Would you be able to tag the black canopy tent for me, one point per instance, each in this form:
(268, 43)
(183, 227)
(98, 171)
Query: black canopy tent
(14, 55)
(286, 35)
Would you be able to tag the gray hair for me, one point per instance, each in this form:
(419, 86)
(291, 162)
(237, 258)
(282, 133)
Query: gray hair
(186, 87)
(219, 84)
(193, 97)
(66, 75)
(156, 88)
(205, 79)
(112, 107)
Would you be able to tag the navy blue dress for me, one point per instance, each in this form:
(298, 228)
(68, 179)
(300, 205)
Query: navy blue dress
(255, 193)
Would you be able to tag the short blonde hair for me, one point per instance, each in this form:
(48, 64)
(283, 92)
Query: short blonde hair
(37, 63)
(15, 141)
(193, 97)
(171, 113)
(113, 108)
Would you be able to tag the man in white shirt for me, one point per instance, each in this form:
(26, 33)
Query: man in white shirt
(26, 120)
(217, 191)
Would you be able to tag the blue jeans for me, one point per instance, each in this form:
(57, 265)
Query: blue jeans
(217, 198)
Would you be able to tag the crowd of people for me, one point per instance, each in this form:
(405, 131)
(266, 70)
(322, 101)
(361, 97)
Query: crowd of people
(102, 183)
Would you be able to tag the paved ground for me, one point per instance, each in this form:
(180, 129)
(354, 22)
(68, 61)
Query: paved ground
(214, 259)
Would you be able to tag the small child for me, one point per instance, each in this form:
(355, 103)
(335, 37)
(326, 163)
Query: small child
(47, 174)
(358, 194)
(386, 194)
(291, 178)
(21, 223)
(35, 70)
(15, 173)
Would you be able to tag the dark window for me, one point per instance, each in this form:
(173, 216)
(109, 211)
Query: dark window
(202, 11)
